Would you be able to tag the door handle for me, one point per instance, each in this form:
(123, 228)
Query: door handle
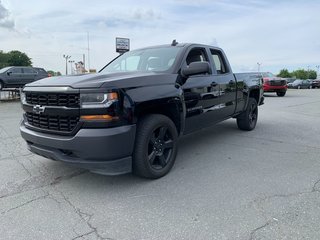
(214, 84)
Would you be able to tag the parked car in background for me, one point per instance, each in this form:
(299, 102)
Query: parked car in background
(41, 73)
(13, 77)
(271, 83)
(299, 83)
(315, 83)
(290, 81)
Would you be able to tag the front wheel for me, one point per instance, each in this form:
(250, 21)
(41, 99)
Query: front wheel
(155, 147)
(281, 94)
(248, 119)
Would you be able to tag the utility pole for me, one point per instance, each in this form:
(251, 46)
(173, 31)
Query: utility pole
(88, 52)
(318, 66)
(66, 57)
(71, 69)
(259, 64)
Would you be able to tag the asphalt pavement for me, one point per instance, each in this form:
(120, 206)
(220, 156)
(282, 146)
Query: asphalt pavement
(226, 184)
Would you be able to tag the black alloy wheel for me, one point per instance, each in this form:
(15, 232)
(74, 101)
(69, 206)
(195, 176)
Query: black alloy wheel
(156, 146)
(248, 119)
(253, 114)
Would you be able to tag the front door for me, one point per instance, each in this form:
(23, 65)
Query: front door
(14, 76)
(201, 94)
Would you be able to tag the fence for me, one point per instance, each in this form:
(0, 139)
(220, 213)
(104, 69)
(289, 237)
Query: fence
(9, 94)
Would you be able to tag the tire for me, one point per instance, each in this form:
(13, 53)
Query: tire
(310, 87)
(155, 147)
(1, 85)
(248, 119)
(299, 87)
(281, 94)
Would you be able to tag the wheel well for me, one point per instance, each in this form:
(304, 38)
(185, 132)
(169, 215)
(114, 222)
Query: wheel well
(170, 110)
(255, 94)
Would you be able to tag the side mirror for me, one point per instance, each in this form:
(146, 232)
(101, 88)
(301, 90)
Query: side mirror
(8, 73)
(195, 68)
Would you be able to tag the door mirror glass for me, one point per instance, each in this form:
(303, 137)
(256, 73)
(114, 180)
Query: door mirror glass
(195, 68)
(8, 73)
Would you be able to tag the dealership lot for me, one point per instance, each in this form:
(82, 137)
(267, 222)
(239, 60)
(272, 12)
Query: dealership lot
(226, 184)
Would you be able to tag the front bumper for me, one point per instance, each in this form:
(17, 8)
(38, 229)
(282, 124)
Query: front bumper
(105, 151)
(270, 88)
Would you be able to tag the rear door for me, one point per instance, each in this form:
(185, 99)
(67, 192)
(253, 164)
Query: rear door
(28, 75)
(201, 93)
(227, 84)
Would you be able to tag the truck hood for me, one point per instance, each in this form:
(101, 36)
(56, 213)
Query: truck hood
(116, 80)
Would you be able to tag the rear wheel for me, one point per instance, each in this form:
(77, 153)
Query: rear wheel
(248, 119)
(310, 87)
(156, 146)
(299, 87)
(281, 94)
(1, 85)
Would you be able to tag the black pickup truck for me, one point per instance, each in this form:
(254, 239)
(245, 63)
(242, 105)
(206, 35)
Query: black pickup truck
(129, 116)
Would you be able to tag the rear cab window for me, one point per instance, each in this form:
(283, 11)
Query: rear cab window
(219, 61)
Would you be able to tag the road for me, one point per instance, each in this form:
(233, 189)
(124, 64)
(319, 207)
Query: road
(226, 184)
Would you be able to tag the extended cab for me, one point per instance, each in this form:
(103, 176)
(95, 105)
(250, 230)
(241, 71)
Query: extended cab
(129, 116)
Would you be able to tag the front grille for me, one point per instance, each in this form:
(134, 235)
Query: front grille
(278, 83)
(53, 99)
(57, 123)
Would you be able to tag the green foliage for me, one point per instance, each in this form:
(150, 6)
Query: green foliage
(53, 73)
(284, 73)
(17, 58)
(312, 74)
(3, 59)
(14, 58)
(299, 74)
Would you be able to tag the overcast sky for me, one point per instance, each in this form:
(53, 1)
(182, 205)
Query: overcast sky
(278, 34)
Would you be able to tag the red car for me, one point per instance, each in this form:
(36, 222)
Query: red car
(271, 83)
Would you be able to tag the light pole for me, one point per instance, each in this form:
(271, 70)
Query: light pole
(318, 66)
(259, 64)
(71, 69)
(66, 57)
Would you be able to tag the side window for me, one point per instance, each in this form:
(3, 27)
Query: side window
(28, 70)
(16, 70)
(219, 62)
(197, 55)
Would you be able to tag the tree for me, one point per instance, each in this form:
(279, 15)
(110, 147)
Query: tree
(3, 59)
(300, 74)
(53, 73)
(312, 74)
(17, 58)
(284, 73)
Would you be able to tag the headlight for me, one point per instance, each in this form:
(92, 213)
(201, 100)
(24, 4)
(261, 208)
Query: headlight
(22, 96)
(97, 100)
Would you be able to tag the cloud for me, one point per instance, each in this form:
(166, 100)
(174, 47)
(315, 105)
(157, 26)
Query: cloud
(5, 20)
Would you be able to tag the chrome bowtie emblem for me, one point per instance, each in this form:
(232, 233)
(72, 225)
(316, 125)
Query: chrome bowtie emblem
(38, 109)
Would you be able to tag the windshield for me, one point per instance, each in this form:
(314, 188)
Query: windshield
(153, 59)
(267, 74)
(4, 69)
